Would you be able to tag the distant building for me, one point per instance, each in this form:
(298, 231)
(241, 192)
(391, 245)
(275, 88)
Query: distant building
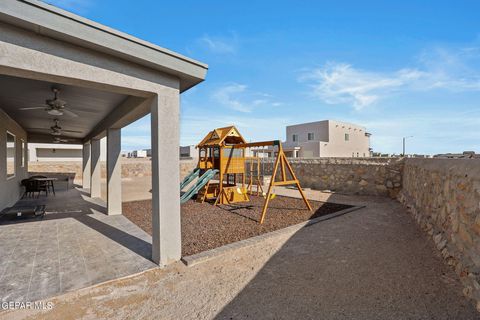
(138, 154)
(327, 138)
(50, 152)
(188, 152)
(464, 155)
(185, 152)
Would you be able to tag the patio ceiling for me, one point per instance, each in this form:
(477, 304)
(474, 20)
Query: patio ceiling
(90, 105)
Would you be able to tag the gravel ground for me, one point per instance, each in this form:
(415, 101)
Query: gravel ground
(205, 226)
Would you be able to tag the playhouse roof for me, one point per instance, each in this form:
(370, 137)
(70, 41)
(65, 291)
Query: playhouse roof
(222, 136)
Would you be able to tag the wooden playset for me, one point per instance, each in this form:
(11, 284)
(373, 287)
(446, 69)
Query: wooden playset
(231, 174)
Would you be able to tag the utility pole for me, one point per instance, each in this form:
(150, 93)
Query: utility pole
(405, 138)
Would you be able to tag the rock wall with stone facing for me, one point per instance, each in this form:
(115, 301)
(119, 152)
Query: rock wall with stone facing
(363, 176)
(443, 195)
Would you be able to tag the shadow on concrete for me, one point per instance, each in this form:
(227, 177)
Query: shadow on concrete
(371, 264)
(76, 204)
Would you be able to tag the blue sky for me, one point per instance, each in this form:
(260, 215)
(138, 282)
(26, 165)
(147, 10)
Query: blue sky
(404, 68)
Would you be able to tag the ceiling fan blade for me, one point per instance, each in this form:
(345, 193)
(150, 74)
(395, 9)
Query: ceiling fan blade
(39, 129)
(70, 113)
(87, 110)
(72, 131)
(61, 140)
(32, 108)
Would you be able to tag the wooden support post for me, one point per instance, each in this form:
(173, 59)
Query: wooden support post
(298, 186)
(265, 205)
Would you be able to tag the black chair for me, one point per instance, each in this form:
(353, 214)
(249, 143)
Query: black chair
(29, 187)
(40, 186)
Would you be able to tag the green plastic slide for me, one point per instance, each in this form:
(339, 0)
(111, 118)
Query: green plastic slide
(201, 182)
(189, 178)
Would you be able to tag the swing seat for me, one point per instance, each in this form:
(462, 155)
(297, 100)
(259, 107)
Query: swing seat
(272, 196)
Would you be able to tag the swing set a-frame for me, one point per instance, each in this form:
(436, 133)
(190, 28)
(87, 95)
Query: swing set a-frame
(281, 162)
(223, 153)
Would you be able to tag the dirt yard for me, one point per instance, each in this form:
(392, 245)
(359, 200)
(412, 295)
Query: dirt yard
(205, 226)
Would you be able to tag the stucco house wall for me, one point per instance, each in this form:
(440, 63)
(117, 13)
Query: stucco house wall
(358, 143)
(310, 149)
(319, 129)
(10, 188)
(328, 139)
(51, 152)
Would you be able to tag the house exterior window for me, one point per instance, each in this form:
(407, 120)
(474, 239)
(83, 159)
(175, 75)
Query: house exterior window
(11, 152)
(295, 138)
(310, 136)
(347, 137)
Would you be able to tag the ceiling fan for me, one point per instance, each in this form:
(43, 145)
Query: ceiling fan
(55, 106)
(60, 140)
(56, 130)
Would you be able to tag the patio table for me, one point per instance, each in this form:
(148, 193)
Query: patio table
(48, 181)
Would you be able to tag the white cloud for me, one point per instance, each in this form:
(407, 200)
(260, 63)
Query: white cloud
(337, 83)
(341, 83)
(219, 45)
(237, 97)
(228, 96)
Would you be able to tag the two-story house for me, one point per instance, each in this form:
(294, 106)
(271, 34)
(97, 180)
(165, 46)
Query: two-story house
(327, 138)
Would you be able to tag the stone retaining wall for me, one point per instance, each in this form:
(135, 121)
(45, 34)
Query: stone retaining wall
(444, 197)
(363, 176)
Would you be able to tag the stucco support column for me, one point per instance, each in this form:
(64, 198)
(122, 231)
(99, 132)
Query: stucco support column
(166, 234)
(96, 171)
(114, 172)
(86, 163)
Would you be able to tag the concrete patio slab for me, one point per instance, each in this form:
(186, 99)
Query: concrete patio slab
(74, 245)
(373, 263)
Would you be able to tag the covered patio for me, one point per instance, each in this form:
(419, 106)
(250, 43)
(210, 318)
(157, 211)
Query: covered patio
(74, 245)
(66, 79)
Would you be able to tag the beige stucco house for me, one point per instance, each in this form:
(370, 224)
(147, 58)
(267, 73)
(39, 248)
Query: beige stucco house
(327, 138)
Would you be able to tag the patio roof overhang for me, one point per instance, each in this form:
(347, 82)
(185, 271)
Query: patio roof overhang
(65, 38)
(62, 25)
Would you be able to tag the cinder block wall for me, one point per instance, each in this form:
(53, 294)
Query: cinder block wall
(130, 168)
(443, 195)
(363, 176)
